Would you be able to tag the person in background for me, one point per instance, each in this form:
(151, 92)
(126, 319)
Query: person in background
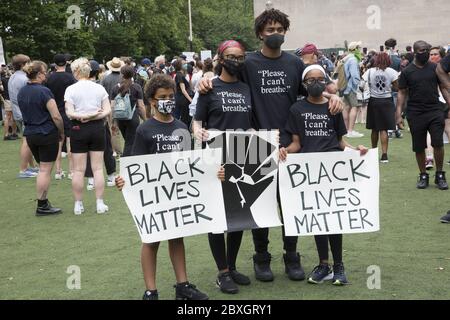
(353, 75)
(58, 82)
(87, 105)
(108, 158)
(182, 96)
(17, 81)
(44, 128)
(419, 82)
(382, 81)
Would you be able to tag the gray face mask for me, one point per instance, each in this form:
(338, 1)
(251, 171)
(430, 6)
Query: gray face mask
(166, 106)
(274, 41)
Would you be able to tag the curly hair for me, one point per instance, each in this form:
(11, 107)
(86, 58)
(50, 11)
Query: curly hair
(268, 17)
(156, 82)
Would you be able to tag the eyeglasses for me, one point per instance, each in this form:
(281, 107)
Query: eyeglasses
(235, 58)
(314, 80)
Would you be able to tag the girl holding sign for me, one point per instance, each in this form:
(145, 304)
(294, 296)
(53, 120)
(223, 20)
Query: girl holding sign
(226, 107)
(315, 129)
(160, 95)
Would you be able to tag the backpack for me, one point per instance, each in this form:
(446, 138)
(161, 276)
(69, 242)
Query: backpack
(342, 80)
(122, 107)
(396, 62)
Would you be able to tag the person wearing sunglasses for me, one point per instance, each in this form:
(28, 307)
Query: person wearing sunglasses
(226, 107)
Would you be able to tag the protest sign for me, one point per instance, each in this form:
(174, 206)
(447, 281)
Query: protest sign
(330, 193)
(174, 195)
(250, 186)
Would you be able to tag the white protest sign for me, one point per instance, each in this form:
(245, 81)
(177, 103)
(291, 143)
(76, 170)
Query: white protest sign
(189, 56)
(174, 195)
(205, 54)
(330, 193)
(2, 53)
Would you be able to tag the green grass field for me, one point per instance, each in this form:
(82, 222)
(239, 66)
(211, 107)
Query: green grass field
(411, 250)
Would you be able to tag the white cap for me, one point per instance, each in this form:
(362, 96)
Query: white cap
(313, 67)
(353, 45)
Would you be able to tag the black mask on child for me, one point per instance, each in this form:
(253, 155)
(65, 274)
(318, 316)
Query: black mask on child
(233, 67)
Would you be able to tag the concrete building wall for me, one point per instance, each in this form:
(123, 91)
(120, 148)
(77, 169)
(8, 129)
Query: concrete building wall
(328, 23)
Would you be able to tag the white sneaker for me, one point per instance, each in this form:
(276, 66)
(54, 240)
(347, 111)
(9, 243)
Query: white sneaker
(70, 176)
(354, 134)
(63, 155)
(90, 185)
(102, 208)
(111, 182)
(79, 208)
(60, 176)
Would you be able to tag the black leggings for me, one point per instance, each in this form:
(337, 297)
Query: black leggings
(225, 257)
(335, 244)
(108, 158)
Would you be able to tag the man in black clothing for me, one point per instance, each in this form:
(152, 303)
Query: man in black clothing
(424, 112)
(443, 72)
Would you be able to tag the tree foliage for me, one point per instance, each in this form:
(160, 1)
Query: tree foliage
(111, 28)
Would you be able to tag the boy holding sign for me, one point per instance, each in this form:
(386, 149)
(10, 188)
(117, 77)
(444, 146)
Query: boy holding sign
(163, 134)
(315, 129)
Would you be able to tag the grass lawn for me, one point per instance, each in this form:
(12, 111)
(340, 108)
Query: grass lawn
(411, 250)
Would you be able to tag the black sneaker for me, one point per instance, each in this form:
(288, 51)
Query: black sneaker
(339, 278)
(150, 295)
(423, 181)
(239, 278)
(293, 266)
(446, 218)
(384, 158)
(187, 291)
(226, 283)
(47, 210)
(440, 180)
(261, 264)
(320, 274)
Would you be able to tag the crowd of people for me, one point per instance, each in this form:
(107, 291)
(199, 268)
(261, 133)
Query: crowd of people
(78, 107)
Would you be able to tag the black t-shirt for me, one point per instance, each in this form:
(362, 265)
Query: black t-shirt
(58, 82)
(422, 84)
(180, 78)
(5, 93)
(318, 129)
(274, 86)
(445, 63)
(135, 94)
(227, 106)
(154, 136)
(33, 99)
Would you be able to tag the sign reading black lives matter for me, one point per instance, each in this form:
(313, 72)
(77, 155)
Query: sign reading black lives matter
(330, 193)
(250, 189)
(174, 195)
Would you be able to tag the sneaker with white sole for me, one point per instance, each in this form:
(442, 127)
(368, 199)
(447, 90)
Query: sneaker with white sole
(354, 134)
(60, 176)
(63, 154)
(90, 185)
(27, 174)
(111, 182)
(78, 208)
(102, 208)
(70, 176)
(320, 273)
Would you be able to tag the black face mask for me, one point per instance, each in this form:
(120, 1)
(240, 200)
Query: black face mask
(274, 41)
(315, 89)
(423, 58)
(232, 67)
